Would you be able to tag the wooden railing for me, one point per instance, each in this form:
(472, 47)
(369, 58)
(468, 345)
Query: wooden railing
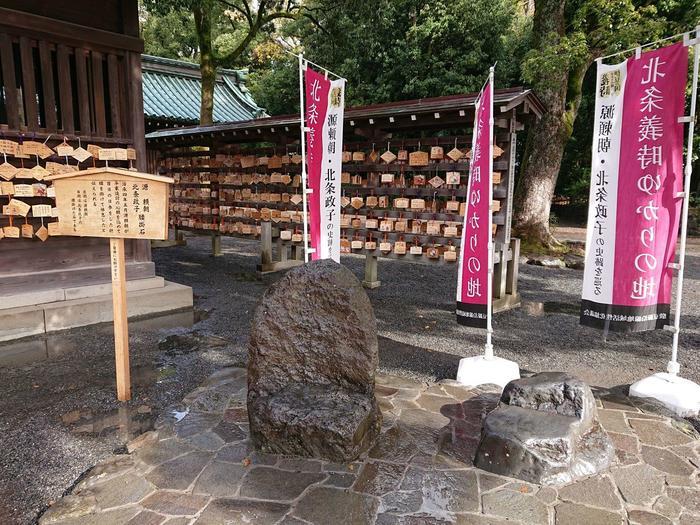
(54, 87)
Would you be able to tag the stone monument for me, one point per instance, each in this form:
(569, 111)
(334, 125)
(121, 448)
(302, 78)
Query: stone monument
(311, 366)
(545, 430)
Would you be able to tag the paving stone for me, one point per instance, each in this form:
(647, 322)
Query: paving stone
(667, 507)
(122, 490)
(230, 432)
(688, 452)
(614, 421)
(291, 520)
(619, 403)
(438, 461)
(208, 441)
(146, 517)
(71, 506)
(384, 391)
(175, 503)
(643, 517)
(598, 491)
(110, 517)
(434, 403)
(280, 485)
(342, 467)
(180, 472)
(491, 481)
(220, 479)
(238, 512)
(196, 423)
(666, 461)
(236, 415)
(108, 469)
(329, 505)
(404, 403)
(626, 442)
(516, 506)
(243, 453)
(658, 433)
(681, 481)
(395, 445)
(478, 519)
(688, 498)
(639, 484)
(162, 451)
(379, 478)
(402, 502)
(689, 519)
(445, 490)
(574, 514)
(547, 495)
(342, 480)
(178, 521)
(300, 464)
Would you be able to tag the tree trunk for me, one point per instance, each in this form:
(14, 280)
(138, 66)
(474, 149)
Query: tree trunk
(547, 138)
(207, 64)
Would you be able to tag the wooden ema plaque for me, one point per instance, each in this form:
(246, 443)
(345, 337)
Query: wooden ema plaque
(117, 204)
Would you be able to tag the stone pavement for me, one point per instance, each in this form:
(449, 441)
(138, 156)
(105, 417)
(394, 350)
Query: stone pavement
(197, 467)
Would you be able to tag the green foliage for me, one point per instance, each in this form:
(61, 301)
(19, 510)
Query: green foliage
(171, 35)
(402, 49)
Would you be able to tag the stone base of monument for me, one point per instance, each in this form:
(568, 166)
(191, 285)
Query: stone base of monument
(482, 370)
(545, 430)
(312, 360)
(679, 395)
(314, 421)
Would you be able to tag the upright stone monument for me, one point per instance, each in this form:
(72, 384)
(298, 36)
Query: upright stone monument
(545, 430)
(311, 366)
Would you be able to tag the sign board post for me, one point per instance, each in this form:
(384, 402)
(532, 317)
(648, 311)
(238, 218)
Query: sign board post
(116, 204)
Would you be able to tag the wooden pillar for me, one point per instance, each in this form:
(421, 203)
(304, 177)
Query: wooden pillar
(511, 176)
(513, 268)
(121, 327)
(215, 245)
(265, 244)
(499, 273)
(371, 279)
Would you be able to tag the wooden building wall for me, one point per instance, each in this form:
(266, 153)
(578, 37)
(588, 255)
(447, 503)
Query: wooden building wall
(73, 70)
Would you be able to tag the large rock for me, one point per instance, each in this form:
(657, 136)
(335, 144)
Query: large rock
(311, 366)
(545, 430)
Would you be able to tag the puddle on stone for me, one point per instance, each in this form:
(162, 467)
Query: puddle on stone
(540, 309)
(125, 423)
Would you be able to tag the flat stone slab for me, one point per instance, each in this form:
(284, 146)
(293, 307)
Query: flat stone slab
(414, 474)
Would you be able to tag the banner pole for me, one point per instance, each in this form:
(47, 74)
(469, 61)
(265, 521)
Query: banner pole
(302, 125)
(488, 349)
(673, 365)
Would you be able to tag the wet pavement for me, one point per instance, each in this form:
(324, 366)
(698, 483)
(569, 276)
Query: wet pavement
(198, 467)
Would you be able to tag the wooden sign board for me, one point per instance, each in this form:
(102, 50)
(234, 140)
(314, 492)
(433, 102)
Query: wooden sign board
(117, 204)
(112, 203)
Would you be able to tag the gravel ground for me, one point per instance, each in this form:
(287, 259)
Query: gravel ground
(58, 416)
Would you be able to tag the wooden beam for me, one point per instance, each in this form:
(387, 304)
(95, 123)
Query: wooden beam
(114, 94)
(83, 91)
(31, 105)
(9, 81)
(51, 120)
(98, 94)
(27, 23)
(65, 88)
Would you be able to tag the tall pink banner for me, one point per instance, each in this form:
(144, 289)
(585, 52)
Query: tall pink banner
(635, 208)
(473, 282)
(324, 110)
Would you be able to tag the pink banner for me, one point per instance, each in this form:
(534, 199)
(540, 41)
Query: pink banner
(473, 286)
(638, 189)
(317, 88)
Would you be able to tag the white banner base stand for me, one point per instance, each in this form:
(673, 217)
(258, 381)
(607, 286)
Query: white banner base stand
(680, 395)
(482, 370)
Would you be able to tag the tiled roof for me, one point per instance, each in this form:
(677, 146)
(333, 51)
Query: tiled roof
(172, 91)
